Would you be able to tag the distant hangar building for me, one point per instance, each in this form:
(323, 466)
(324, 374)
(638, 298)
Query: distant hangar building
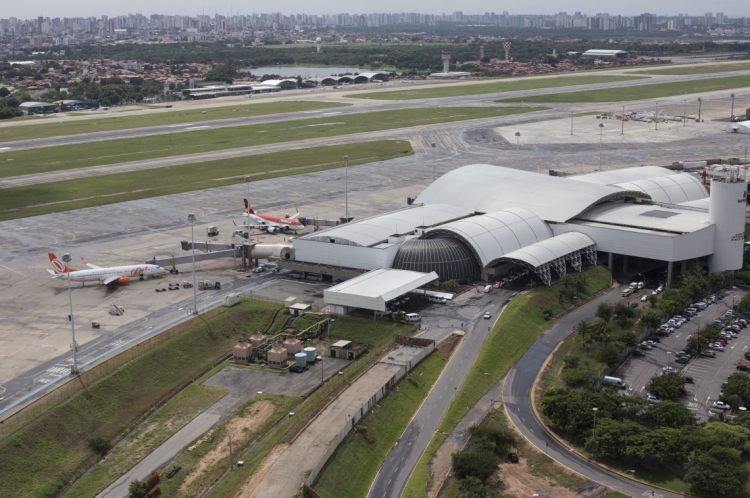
(605, 54)
(478, 221)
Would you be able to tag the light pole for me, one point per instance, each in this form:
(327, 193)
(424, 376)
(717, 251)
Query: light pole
(622, 131)
(571, 123)
(518, 134)
(669, 358)
(601, 130)
(700, 104)
(656, 115)
(595, 410)
(434, 175)
(74, 368)
(684, 114)
(191, 218)
(346, 175)
(321, 370)
(731, 116)
(231, 464)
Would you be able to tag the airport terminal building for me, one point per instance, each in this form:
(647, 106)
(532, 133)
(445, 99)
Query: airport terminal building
(478, 221)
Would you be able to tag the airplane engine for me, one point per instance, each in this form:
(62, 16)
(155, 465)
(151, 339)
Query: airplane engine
(271, 229)
(123, 280)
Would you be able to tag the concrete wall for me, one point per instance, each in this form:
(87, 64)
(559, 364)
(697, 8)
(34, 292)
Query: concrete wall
(365, 258)
(643, 243)
(405, 358)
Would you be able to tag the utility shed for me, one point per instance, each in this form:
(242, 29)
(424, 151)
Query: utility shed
(374, 289)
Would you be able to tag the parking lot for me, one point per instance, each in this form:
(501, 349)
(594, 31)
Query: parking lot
(708, 373)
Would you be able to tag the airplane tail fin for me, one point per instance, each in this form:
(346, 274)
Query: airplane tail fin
(248, 207)
(58, 267)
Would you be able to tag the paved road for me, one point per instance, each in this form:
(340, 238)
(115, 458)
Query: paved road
(518, 404)
(397, 468)
(358, 106)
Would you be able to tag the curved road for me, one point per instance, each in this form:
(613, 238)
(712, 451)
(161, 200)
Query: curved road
(517, 399)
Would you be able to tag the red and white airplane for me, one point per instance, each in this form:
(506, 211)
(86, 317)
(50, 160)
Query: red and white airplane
(111, 277)
(272, 224)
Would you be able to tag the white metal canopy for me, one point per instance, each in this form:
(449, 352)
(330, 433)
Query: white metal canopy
(374, 289)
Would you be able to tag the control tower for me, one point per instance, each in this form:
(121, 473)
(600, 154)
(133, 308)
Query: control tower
(446, 61)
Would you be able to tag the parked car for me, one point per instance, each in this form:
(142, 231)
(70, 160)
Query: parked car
(662, 333)
(669, 369)
(683, 360)
(652, 399)
(708, 354)
(743, 368)
(638, 352)
(720, 405)
(716, 346)
(513, 457)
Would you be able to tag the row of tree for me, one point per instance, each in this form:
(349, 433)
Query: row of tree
(708, 456)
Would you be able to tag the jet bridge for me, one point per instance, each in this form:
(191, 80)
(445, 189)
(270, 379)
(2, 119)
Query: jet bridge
(211, 250)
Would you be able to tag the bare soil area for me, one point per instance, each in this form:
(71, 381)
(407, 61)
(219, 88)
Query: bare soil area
(257, 476)
(240, 428)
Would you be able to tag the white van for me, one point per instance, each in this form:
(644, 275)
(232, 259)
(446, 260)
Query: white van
(614, 380)
(435, 299)
(412, 317)
(627, 292)
(487, 289)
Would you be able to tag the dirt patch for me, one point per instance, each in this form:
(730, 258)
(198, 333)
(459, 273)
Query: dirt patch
(440, 466)
(449, 346)
(262, 469)
(518, 480)
(240, 428)
(366, 435)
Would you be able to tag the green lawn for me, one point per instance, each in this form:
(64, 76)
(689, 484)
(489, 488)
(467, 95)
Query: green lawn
(368, 331)
(33, 200)
(41, 458)
(356, 462)
(515, 331)
(640, 92)
(706, 69)
(188, 460)
(159, 427)
(497, 86)
(159, 146)
(110, 123)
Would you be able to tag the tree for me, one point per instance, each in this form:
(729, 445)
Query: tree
(610, 354)
(649, 320)
(737, 385)
(718, 472)
(137, 489)
(670, 414)
(660, 444)
(717, 434)
(221, 73)
(580, 377)
(652, 300)
(666, 386)
(623, 314)
(604, 312)
(697, 343)
(583, 329)
(600, 331)
(477, 463)
(571, 410)
(495, 439)
(587, 342)
(627, 338)
(612, 437)
(99, 445)
(472, 487)
(571, 361)
(4, 92)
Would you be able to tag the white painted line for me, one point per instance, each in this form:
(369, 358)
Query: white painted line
(4, 148)
(198, 127)
(178, 125)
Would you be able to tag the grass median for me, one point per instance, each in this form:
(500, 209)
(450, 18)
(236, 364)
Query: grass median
(47, 159)
(43, 198)
(39, 459)
(109, 122)
(675, 71)
(520, 324)
(356, 462)
(640, 92)
(494, 87)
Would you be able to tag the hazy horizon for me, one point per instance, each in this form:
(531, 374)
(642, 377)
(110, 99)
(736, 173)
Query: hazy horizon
(87, 8)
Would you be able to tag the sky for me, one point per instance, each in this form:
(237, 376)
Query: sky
(85, 8)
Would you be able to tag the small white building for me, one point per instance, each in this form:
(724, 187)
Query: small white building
(605, 54)
(742, 127)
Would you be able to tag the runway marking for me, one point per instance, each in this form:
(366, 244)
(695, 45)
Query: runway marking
(4, 148)
(178, 125)
(198, 127)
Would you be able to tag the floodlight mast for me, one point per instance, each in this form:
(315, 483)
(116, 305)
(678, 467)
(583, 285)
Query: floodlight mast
(74, 368)
(191, 218)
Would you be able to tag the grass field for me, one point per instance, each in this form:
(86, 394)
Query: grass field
(33, 200)
(159, 427)
(41, 458)
(137, 149)
(640, 92)
(369, 331)
(674, 71)
(213, 457)
(107, 122)
(356, 462)
(482, 88)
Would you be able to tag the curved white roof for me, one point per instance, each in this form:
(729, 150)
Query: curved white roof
(622, 175)
(371, 74)
(495, 234)
(485, 188)
(550, 249)
(670, 189)
(375, 230)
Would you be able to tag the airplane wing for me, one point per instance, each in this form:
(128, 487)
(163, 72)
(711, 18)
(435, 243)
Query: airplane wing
(294, 217)
(93, 267)
(109, 280)
(54, 275)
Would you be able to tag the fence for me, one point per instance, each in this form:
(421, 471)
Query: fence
(87, 378)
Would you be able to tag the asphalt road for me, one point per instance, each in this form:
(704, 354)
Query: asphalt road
(517, 398)
(397, 468)
(358, 106)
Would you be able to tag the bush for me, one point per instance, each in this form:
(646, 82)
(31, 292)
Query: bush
(450, 285)
(99, 445)
(478, 463)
